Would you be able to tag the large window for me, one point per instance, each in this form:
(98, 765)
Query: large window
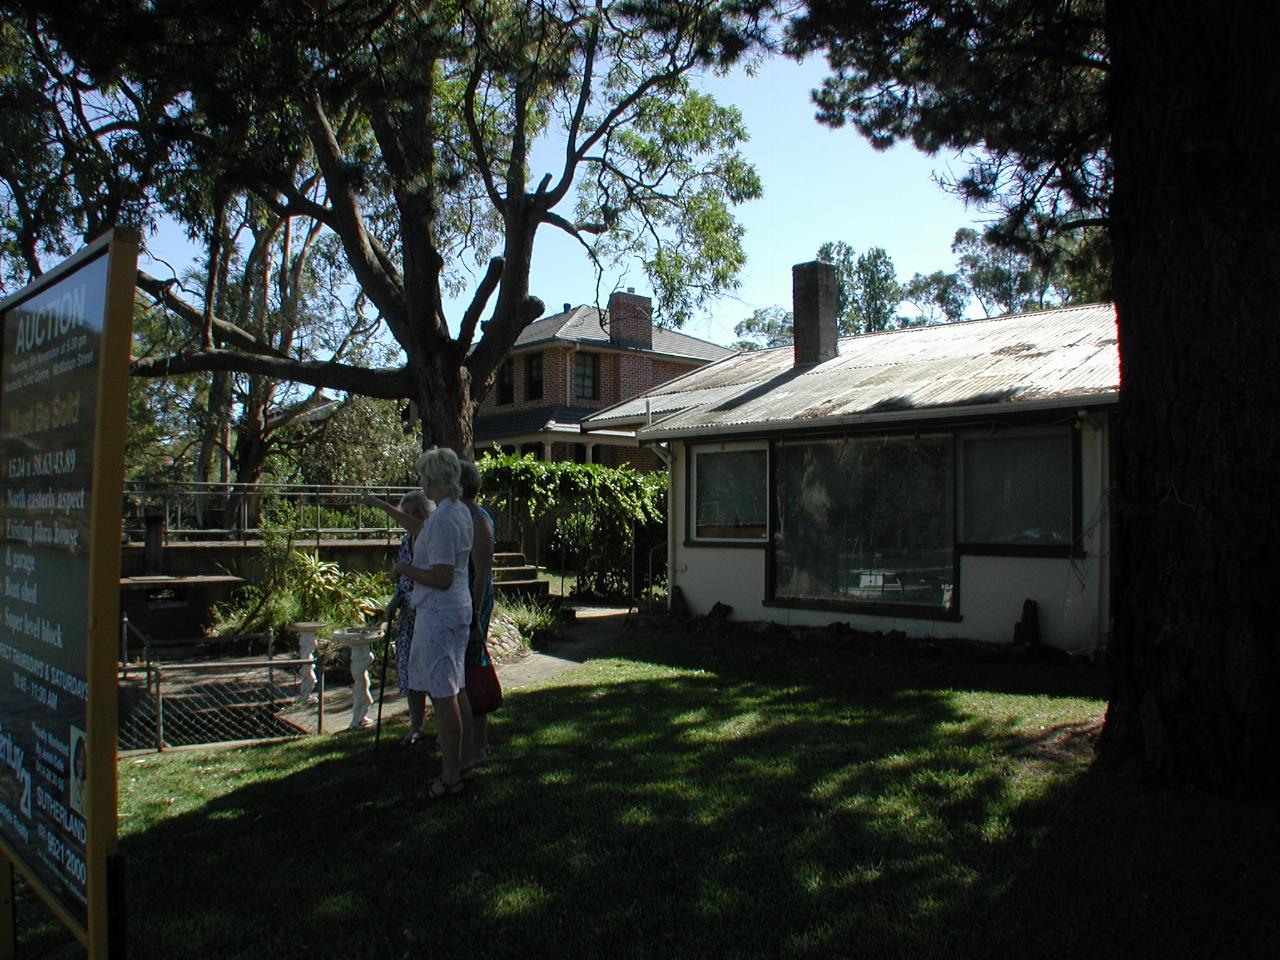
(865, 520)
(586, 376)
(730, 493)
(1016, 489)
(533, 376)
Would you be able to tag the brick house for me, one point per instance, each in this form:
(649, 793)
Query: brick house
(569, 365)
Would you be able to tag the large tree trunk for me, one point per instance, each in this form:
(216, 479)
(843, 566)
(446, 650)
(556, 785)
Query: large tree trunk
(217, 413)
(1196, 233)
(442, 395)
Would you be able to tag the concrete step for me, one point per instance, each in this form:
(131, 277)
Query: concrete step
(506, 574)
(533, 589)
(509, 559)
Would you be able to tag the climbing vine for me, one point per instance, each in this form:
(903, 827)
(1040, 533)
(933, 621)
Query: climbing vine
(598, 515)
(540, 489)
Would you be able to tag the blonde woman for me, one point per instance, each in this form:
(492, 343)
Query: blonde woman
(442, 601)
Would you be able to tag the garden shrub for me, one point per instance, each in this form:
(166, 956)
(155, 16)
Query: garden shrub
(296, 585)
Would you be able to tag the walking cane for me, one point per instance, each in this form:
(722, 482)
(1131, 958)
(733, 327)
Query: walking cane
(382, 683)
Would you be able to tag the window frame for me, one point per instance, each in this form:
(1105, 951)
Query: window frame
(691, 537)
(506, 385)
(594, 359)
(533, 361)
(914, 611)
(982, 548)
(961, 549)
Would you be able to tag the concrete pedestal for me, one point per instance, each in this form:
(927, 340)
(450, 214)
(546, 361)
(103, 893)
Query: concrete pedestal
(306, 631)
(360, 640)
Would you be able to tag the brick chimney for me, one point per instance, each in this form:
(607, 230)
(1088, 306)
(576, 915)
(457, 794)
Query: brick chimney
(630, 319)
(813, 297)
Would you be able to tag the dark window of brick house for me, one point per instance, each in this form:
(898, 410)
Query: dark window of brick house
(506, 383)
(533, 377)
(586, 370)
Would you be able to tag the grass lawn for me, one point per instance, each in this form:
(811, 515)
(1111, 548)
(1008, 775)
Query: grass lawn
(703, 797)
(562, 584)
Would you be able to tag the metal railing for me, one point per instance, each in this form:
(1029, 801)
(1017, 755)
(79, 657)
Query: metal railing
(182, 704)
(230, 512)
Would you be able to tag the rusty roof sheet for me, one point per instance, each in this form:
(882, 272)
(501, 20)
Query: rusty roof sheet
(1055, 357)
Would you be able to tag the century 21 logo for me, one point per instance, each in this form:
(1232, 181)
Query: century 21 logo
(12, 756)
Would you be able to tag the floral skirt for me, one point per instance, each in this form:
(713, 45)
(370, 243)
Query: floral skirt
(403, 641)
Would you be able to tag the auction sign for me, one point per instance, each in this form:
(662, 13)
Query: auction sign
(62, 412)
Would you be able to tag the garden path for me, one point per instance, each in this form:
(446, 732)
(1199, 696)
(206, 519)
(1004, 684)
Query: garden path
(591, 633)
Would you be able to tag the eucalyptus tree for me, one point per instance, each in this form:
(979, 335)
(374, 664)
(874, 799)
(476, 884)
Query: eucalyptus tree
(78, 156)
(937, 297)
(867, 288)
(408, 130)
(766, 328)
(279, 278)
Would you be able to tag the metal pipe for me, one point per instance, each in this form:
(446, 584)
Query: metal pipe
(319, 667)
(224, 664)
(159, 714)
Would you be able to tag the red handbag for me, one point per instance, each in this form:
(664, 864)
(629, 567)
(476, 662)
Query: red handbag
(484, 692)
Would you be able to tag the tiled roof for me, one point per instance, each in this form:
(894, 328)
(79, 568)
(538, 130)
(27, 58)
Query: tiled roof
(1053, 357)
(583, 325)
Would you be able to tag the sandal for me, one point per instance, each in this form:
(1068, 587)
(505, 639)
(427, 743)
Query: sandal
(469, 771)
(411, 739)
(440, 790)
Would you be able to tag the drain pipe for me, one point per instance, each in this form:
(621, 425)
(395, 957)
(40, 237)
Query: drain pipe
(1103, 534)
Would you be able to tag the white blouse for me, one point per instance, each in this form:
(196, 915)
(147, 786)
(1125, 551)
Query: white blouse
(446, 538)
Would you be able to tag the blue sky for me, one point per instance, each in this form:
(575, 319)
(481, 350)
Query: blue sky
(819, 184)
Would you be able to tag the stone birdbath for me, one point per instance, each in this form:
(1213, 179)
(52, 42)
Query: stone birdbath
(306, 631)
(359, 639)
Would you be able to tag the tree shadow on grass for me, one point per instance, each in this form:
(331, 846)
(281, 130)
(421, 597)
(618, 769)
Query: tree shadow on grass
(768, 808)
(733, 650)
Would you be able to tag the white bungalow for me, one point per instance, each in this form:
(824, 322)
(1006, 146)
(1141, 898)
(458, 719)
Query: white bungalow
(928, 480)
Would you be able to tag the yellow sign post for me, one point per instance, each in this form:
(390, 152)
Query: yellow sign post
(63, 391)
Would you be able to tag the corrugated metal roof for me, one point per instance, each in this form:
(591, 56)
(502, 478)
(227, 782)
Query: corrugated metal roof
(583, 325)
(1053, 357)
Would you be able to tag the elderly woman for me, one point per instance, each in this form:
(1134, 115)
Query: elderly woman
(442, 600)
(411, 514)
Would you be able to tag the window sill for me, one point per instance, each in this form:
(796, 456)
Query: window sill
(1056, 550)
(902, 611)
(733, 544)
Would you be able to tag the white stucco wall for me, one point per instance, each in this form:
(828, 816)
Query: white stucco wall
(1072, 594)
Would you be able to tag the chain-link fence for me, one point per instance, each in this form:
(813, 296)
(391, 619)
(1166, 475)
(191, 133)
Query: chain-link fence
(181, 704)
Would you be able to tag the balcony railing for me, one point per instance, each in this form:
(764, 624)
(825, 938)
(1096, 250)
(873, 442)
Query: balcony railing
(238, 512)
